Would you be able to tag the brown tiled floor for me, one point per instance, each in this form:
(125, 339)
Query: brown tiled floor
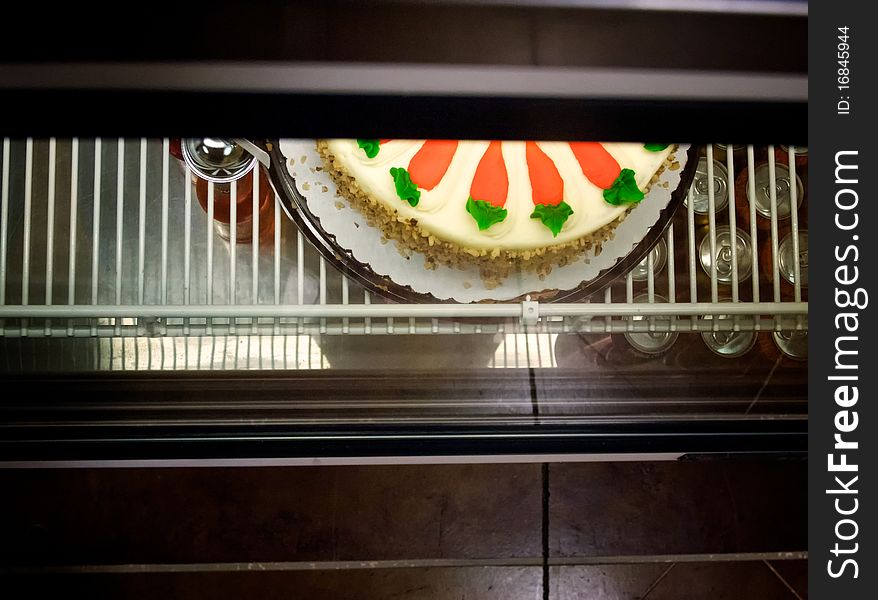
(795, 573)
(615, 582)
(689, 581)
(459, 512)
(314, 513)
(720, 581)
(612, 509)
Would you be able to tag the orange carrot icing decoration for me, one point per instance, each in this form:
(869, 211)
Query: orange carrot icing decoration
(548, 189)
(426, 169)
(489, 188)
(596, 163)
(602, 170)
(428, 166)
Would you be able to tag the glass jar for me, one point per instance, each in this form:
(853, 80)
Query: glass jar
(240, 193)
(223, 174)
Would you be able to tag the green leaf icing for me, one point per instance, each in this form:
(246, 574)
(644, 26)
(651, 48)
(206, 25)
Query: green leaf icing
(624, 190)
(370, 147)
(655, 147)
(405, 187)
(553, 216)
(485, 213)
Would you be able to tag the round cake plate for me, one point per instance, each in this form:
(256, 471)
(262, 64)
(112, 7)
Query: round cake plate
(295, 205)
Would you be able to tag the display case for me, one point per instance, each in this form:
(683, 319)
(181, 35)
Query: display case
(135, 331)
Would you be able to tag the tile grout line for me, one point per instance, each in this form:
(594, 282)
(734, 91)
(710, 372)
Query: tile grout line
(657, 581)
(532, 383)
(545, 529)
(764, 384)
(544, 476)
(782, 580)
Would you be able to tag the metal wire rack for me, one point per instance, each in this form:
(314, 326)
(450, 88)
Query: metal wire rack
(103, 239)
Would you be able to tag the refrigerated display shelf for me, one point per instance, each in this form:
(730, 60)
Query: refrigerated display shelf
(116, 289)
(102, 239)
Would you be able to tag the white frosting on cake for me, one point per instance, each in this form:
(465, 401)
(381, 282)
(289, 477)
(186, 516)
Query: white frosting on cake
(442, 210)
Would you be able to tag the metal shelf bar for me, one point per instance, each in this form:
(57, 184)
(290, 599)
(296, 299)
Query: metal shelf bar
(208, 233)
(96, 225)
(4, 218)
(254, 238)
(772, 191)
(141, 223)
(711, 217)
(233, 243)
(187, 246)
(300, 268)
(187, 238)
(690, 214)
(754, 231)
(733, 225)
(74, 195)
(345, 299)
(25, 251)
(186, 303)
(367, 322)
(50, 220)
(684, 324)
(278, 212)
(672, 280)
(608, 298)
(794, 223)
(120, 213)
(165, 183)
(322, 290)
(389, 311)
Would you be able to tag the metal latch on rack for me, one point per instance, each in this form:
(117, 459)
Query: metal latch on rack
(260, 154)
(530, 312)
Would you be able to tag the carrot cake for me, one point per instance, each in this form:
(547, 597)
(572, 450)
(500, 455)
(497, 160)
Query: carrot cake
(496, 205)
